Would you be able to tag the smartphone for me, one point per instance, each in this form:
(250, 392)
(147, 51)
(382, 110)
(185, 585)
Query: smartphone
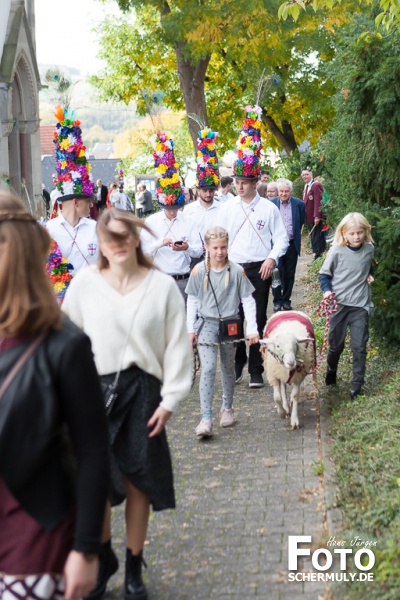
(179, 243)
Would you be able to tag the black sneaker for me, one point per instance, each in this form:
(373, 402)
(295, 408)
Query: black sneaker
(287, 306)
(355, 391)
(256, 380)
(277, 306)
(330, 377)
(239, 373)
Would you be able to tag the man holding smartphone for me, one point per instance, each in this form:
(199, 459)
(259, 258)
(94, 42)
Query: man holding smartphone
(174, 245)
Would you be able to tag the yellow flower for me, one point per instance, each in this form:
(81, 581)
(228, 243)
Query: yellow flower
(174, 178)
(64, 144)
(257, 125)
(212, 160)
(89, 167)
(176, 165)
(81, 153)
(63, 164)
(158, 147)
(162, 168)
(211, 147)
(216, 179)
(58, 287)
(164, 181)
(199, 154)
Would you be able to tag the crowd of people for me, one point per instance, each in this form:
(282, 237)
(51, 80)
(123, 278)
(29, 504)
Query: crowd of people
(98, 377)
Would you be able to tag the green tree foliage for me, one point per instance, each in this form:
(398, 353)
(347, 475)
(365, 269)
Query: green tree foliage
(207, 58)
(361, 156)
(388, 18)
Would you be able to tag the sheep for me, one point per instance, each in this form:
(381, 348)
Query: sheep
(289, 354)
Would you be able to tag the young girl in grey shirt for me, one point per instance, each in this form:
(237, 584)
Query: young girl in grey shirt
(346, 275)
(228, 281)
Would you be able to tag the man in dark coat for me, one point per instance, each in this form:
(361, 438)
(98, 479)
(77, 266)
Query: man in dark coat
(102, 192)
(293, 214)
(312, 198)
(147, 201)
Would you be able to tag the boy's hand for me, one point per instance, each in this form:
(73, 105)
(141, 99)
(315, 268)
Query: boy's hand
(370, 279)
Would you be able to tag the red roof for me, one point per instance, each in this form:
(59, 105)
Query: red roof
(46, 140)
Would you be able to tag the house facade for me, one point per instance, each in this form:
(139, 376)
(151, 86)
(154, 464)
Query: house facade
(20, 164)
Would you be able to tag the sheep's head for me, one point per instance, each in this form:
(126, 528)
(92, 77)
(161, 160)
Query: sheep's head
(285, 348)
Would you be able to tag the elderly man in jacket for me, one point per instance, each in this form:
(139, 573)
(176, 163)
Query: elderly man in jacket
(292, 211)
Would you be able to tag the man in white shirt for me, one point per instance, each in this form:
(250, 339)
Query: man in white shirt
(175, 243)
(257, 238)
(119, 199)
(74, 232)
(225, 193)
(203, 213)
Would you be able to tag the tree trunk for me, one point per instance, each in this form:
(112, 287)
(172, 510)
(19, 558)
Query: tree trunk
(192, 78)
(284, 136)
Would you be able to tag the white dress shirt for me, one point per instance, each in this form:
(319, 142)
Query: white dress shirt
(256, 230)
(78, 244)
(120, 200)
(181, 228)
(225, 197)
(203, 218)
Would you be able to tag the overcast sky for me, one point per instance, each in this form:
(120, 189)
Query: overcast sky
(64, 35)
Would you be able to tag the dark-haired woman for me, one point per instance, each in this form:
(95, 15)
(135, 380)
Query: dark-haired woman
(135, 317)
(53, 435)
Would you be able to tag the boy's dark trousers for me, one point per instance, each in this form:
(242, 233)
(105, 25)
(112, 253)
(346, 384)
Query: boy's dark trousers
(260, 295)
(287, 270)
(357, 320)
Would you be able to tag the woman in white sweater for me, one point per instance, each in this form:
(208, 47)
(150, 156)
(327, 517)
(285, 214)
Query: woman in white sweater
(135, 318)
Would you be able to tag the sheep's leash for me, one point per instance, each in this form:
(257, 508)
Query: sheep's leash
(327, 307)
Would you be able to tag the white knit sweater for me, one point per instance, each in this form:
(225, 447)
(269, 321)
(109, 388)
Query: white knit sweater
(153, 314)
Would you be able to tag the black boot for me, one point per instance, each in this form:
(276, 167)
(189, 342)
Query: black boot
(108, 565)
(330, 377)
(134, 586)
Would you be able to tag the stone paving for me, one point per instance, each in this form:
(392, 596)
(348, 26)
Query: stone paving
(240, 495)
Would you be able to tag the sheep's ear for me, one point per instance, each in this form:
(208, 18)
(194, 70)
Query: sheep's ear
(303, 340)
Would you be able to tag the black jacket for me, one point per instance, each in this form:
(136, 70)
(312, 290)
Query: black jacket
(53, 434)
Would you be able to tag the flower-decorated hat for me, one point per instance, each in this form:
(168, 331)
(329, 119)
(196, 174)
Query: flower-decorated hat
(207, 161)
(247, 164)
(59, 271)
(73, 170)
(169, 189)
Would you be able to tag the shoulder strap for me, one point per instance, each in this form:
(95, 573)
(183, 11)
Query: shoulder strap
(20, 363)
(215, 297)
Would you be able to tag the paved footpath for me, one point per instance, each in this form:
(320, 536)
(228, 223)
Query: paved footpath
(239, 496)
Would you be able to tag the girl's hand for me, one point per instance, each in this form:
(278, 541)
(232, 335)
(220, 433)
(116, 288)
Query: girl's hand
(80, 575)
(192, 340)
(253, 338)
(328, 294)
(158, 420)
(370, 279)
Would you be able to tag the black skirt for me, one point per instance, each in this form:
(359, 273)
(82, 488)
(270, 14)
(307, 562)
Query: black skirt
(144, 461)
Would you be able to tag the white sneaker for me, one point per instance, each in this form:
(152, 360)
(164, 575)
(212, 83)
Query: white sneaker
(227, 417)
(204, 428)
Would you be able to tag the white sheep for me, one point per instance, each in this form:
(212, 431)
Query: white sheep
(289, 354)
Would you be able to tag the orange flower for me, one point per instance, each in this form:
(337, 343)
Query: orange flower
(59, 113)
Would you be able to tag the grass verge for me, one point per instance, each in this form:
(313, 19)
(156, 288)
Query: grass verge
(366, 452)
